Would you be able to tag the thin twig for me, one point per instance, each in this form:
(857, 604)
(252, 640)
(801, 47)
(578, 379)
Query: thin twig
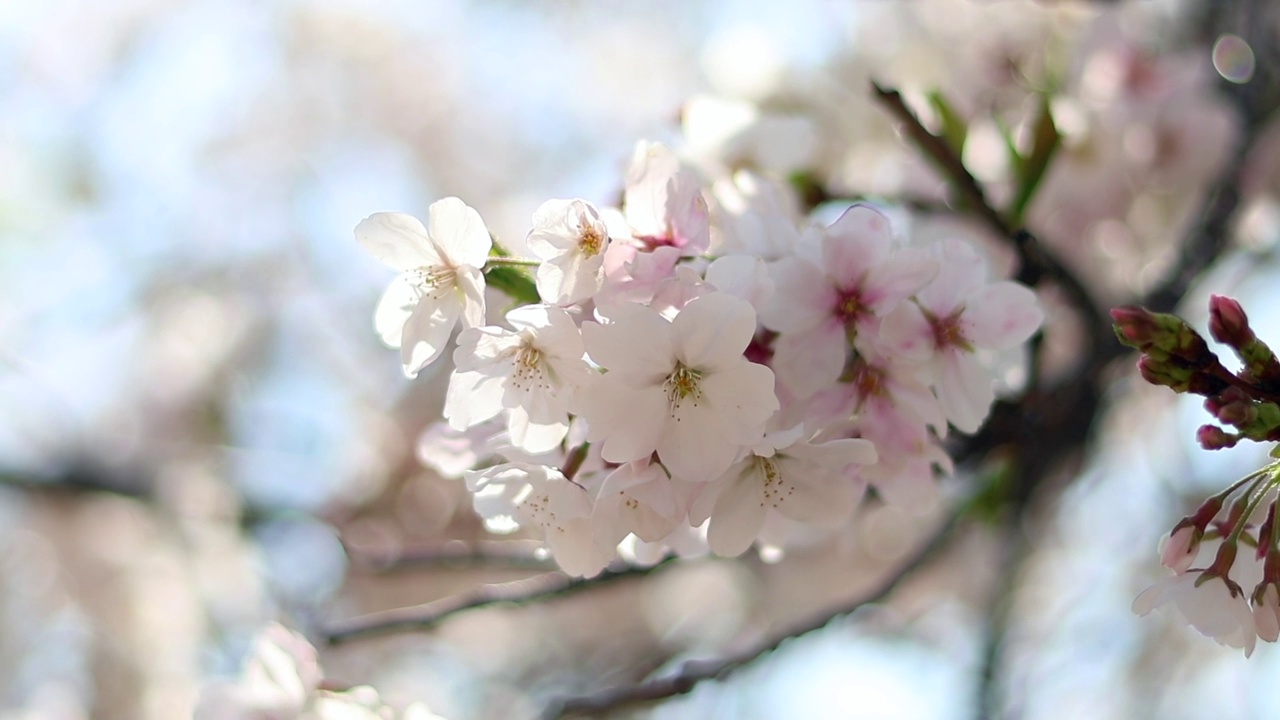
(1035, 260)
(501, 554)
(518, 592)
(694, 672)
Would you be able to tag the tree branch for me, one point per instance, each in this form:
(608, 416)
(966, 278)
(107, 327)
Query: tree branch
(1035, 260)
(694, 672)
(519, 592)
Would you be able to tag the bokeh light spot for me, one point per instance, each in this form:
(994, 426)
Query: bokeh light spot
(1233, 58)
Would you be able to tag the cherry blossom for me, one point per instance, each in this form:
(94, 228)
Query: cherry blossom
(638, 498)
(1212, 604)
(818, 309)
(954, 317)
(798, 479)
(514, 495)
(440, 277)
(530, 372)
(570, 238)
(680, 387)
(663, 201)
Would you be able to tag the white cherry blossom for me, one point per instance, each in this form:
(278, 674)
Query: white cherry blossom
(800, 480)
(440, 277)
(638, 497)
(514, 495)
(680, 387)
(1212, 604)
(570, 238)
(530, 372)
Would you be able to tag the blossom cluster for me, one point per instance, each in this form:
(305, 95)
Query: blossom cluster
(1226, 555)
(1226, 566)
(698, 369)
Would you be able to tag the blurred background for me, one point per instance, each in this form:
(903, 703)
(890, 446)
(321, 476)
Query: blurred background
(200, 432)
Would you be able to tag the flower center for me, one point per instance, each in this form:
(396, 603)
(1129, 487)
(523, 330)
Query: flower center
(948, 333)
(848, 305)
(434, 281)
(775, 490)
(681, 385)
(528, 367)
(590, 241)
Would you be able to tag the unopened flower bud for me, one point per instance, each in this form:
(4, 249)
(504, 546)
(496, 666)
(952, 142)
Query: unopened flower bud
(1227, 322)
(1135, 326)
(1180, 548)
(1212, 437)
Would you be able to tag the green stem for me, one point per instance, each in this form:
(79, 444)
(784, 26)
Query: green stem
(515, 262)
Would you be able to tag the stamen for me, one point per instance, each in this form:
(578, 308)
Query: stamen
(680, 385)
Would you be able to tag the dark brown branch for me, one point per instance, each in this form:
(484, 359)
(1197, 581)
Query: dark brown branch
(1035, 260)
(456, 555)
(519, 592)
(694, 672)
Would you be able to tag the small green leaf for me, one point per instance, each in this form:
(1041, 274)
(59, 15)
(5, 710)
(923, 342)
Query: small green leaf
(514, 282)
(1030, 169)
(954, 129)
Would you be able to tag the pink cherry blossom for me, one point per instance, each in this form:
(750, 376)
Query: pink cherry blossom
(818, 310)
(954, 317)
(1212, 604)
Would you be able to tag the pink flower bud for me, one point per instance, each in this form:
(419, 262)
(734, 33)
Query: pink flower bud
(1212, 437)
(1135, 326)
(1227, 322)
(1180, 549)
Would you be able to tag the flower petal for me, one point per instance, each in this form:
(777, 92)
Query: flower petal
(397, 239)
(636, 344)
(738, 515)
(459, 233)
(712, 331)
(1002, 315)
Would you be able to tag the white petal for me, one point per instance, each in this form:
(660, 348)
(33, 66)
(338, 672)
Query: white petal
(472, 398)
(398, 240)
(961, 272)
(627, 420)
(897, 278)
(636, 345)
(712, 331)
(456, 228)
(535, 437)
(394, 308)
(965, 390)
(742, 398)
(737, 517)
(470, 282)
(810, 361)
(692, 445)
(427, 333)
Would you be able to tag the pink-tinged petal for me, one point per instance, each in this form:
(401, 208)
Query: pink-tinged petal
(742, 399)
(744, 277)
(627, 420)
(898, 278)
(1001, 315)
(394, 308)
(575, 550)
(856, 242)
(966, 391)
(472, 398)
(692, 446)
(470, 283)
(961, 272)
(803, 297)
(459, 232)
(636, 345)
(397, 239)
(835, 454)
(1152, 597)
(906, 333)
(426, 334)
(738, 515)
(712, 331)
(807, 362)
